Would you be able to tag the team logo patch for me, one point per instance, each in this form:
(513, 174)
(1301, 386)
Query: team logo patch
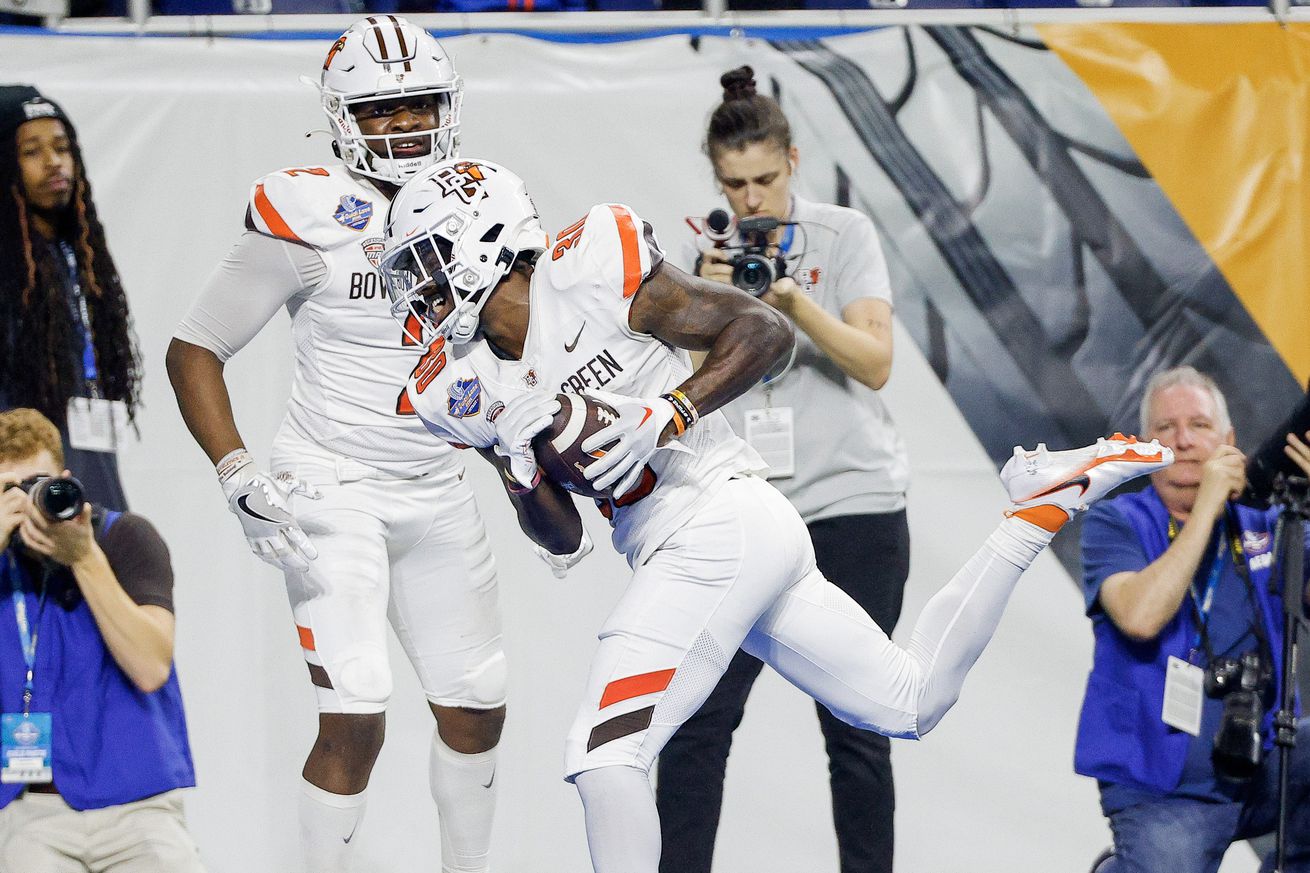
(530, 378)
(353, 212)
(465, 398)
(373, 250)
(494, 411)
(809, 279)
(1255, 542)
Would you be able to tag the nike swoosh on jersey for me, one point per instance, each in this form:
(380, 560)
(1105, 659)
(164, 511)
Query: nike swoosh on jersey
(491, 780)
(346, 839)
(244, 502)
(569, 347)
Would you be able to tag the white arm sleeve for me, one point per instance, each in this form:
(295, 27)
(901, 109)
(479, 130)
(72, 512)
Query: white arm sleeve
(258, 276)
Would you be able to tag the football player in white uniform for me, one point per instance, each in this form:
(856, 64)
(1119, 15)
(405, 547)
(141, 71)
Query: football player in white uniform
(368, 522)
(720, 558)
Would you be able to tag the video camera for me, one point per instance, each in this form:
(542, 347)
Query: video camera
(754, 266)
(1269, 461)
(58, 499)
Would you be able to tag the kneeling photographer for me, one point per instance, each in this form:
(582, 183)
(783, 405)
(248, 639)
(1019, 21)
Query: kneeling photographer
(832, 450)
(94, 744)
(1184, 590)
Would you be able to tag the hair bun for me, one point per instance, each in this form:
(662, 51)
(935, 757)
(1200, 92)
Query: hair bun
(738, 84)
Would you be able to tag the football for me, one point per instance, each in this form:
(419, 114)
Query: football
(558, 447)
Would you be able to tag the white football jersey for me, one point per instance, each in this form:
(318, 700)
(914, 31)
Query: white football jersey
(352, 358)
(579, 340)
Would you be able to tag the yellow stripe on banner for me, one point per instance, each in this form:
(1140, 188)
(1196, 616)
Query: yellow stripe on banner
(1220, 115)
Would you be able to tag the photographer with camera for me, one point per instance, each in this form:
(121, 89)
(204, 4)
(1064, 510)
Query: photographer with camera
(831, 447)
(93, 746)
(1176, 724)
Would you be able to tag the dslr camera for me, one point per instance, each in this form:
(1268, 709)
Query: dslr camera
(58, 499)
(754, 267)
(1241, 683)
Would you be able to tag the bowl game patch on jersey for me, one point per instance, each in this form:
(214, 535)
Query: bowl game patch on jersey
(465, 397)
(353, 212)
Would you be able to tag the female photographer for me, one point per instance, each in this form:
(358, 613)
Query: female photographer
(832, 450)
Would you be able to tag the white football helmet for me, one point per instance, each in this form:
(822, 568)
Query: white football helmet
(384, 57)
(452, 234)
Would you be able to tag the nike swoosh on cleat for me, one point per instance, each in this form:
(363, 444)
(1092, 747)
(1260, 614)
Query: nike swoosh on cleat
(1082, 482)
(569, 347)
(244, 502)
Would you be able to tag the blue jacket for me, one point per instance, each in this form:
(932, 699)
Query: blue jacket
(1121, 738)
(112, 742)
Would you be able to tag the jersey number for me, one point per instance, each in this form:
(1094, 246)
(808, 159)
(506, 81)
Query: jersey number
(432, 363)
(567, 238)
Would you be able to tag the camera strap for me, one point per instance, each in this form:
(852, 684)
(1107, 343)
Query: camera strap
(1228, 541)
(27, 632)
(1257, 608)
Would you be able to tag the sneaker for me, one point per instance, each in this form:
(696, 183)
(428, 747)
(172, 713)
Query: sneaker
(1047, 487)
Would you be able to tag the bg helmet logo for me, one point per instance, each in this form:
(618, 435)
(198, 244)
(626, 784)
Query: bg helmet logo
(464, 180)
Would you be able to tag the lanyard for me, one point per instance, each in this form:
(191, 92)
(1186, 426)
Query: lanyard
(83, 316)
(26, 633)
(1201, 606)
(788, 234)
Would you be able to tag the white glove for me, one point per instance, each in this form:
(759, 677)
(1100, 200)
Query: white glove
(637, 430)
(522, 419)
(260, 501)
(560, 564)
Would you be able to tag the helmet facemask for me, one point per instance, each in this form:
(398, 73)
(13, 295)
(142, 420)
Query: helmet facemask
(374, 155)
(453, 233)
(426, 273)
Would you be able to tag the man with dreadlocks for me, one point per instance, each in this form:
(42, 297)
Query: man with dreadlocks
(67, 347)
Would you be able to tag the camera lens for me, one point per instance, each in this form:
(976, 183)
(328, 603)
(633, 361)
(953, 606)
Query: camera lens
(753, 274)
(1238, 746)
(58, 499)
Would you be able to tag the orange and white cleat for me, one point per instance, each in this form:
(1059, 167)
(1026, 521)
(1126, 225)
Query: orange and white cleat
(1047, 487)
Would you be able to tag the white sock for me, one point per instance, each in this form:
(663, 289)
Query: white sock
(464, 787)
(329, 825)
(623, 826)
(959, 620)
(1019, 541)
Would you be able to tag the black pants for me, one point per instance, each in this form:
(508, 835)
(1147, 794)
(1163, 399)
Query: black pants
(868, 557)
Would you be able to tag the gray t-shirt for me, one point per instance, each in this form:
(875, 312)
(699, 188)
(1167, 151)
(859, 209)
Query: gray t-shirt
(849, 458)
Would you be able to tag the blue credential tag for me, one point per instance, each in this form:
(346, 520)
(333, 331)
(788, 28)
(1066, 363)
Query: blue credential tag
(25, 747)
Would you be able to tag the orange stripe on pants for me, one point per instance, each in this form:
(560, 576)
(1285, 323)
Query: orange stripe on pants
(635, 686)
(306, 638)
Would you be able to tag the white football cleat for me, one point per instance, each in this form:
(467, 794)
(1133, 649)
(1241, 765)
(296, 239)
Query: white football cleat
(1048, 487)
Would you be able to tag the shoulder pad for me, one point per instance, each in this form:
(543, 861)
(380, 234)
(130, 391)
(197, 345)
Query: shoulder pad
(323, 207)
(611, 247)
